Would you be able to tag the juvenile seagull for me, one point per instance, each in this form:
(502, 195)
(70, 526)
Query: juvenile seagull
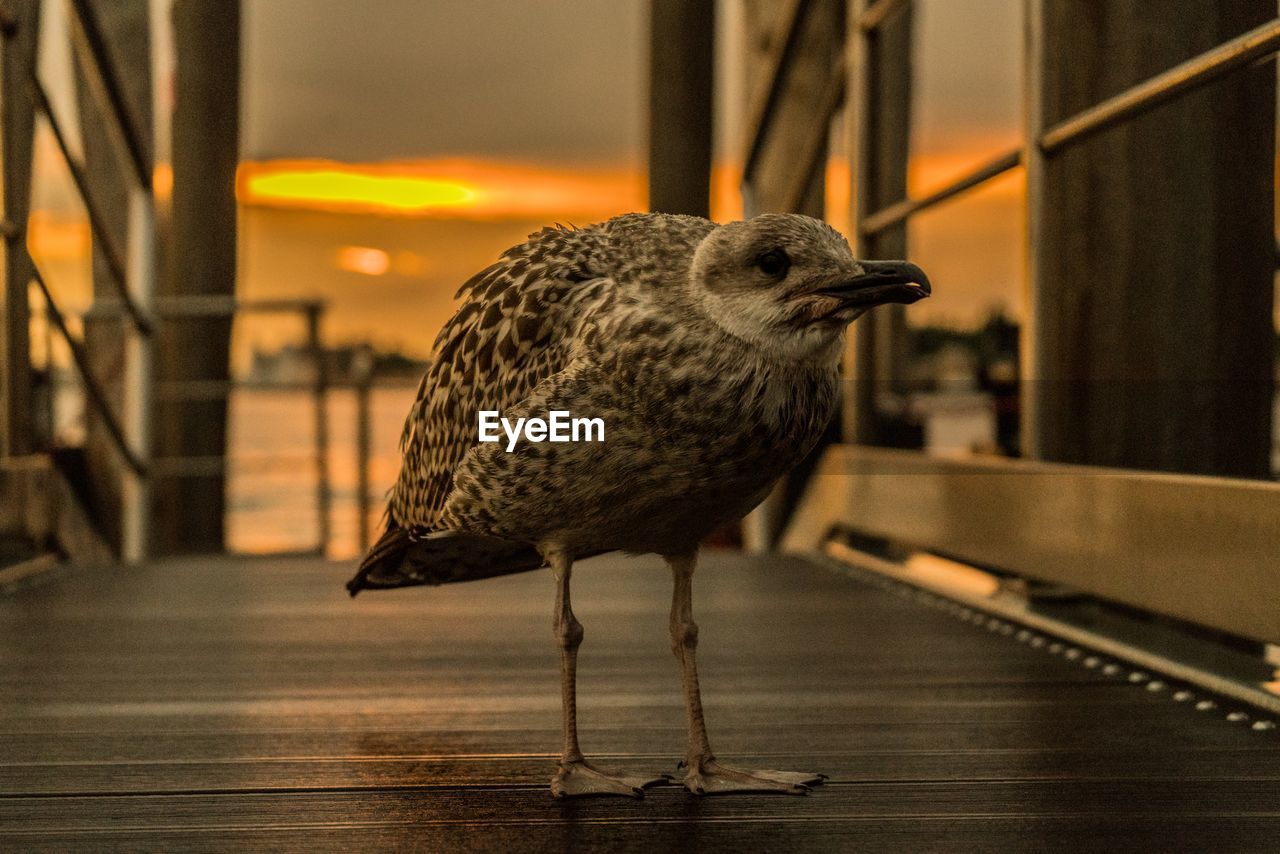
(710, 352)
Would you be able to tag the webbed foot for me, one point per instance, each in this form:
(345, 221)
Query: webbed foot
(709, 777)
(581, 779)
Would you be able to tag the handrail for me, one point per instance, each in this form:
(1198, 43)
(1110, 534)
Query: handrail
(218, 389)
(214, 305)
(130, 268)
(227, 305)
(94, 391)
(1150, 93)
(1136, 100)
(110, 250)
(898, 212)
(1140, 538)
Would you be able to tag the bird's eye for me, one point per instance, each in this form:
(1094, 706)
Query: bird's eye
(774, 263)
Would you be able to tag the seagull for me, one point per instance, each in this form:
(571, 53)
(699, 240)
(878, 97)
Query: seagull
(710, 353)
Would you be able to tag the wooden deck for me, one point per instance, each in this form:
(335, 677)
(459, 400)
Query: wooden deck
(228, 704)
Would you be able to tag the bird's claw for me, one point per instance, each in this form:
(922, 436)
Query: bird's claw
(709, 777)
(581, 779)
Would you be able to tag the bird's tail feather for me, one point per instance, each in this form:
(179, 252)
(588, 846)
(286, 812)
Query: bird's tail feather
(441, 557)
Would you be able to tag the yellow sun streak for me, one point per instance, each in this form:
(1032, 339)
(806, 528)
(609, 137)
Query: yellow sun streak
(453, 188)
(350, 190)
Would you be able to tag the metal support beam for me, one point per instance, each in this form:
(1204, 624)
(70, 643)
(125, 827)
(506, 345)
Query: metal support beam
(1033, 359)
(97, 397)
(857, 408)
(116, 193)
(878, 98)
(681, 56)
(139, 356)
(324, 493)
(877, 12)
(17, 127)
(191, 513)
(104, 78)
(363, 376)
(813, 159)
(103, 237)
(802, 86)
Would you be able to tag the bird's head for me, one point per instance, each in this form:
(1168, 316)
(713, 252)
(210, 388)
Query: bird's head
(789, 284)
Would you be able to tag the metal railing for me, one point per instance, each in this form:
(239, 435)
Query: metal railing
(1010, 514)
(361, 383)
(131, 269)
(130, 273)
(855, 75)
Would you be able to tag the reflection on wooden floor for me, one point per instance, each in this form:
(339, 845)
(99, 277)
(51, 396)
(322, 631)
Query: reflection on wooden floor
(222, 704)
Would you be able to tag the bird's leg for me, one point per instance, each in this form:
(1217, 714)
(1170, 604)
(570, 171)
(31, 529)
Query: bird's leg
(702, 774)
(576, 777)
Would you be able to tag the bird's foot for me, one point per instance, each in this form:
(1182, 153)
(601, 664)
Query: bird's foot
(581, 779)
(709, 777)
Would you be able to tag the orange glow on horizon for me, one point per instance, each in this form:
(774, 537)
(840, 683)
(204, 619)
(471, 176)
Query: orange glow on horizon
(452, 188)
(461, 188)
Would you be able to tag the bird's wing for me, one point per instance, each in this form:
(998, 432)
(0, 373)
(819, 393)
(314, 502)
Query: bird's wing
(517, 325)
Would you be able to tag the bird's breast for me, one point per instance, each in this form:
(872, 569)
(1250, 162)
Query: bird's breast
(693, 438)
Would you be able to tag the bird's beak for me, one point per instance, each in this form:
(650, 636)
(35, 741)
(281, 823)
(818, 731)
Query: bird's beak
(881, 282)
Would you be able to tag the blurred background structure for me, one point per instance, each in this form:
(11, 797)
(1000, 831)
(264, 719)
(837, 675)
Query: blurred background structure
(313, 198)
(231, 233)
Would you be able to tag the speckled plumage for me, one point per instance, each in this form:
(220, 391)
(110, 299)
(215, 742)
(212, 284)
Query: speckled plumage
(704, 406)
(709, 352)
(518, 324)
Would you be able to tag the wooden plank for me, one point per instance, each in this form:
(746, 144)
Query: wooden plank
(679, 830)
(880, 811)
(213, 702)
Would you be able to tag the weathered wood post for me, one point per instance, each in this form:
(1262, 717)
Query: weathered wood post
(1156, 248)
(681, 58)
(206, 137)
(18, 27)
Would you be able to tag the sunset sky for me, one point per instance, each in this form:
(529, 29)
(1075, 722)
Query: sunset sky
(386, 162)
